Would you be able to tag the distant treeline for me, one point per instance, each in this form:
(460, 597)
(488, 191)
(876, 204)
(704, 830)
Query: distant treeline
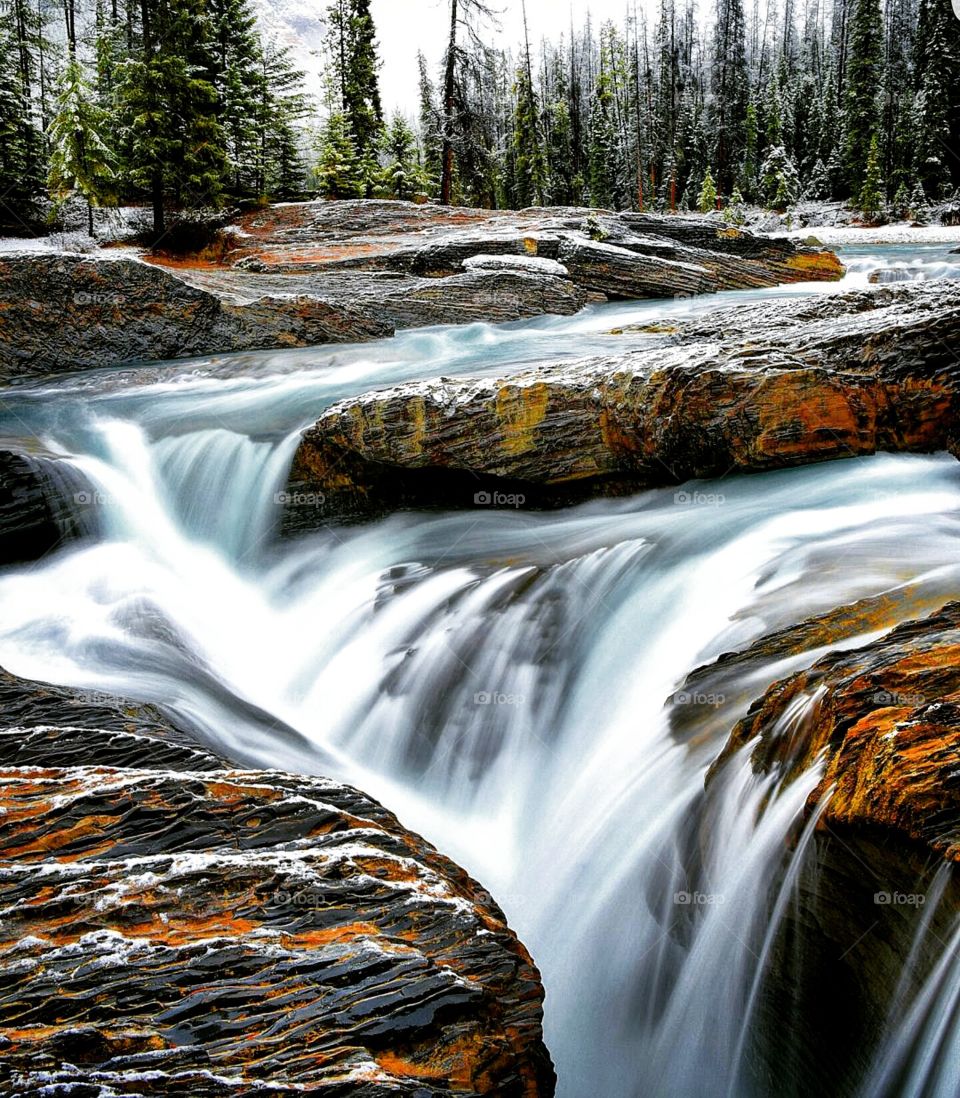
(184, 104)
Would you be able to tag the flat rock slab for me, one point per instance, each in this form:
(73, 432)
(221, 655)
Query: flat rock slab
(768, 386)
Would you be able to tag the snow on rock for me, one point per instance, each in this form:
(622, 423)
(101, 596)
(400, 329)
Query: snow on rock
(532, 263)
(170, 918)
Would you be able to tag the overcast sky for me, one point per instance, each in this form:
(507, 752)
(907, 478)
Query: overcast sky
(404, 26)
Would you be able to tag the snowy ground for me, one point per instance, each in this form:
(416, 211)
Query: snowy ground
(902, 232)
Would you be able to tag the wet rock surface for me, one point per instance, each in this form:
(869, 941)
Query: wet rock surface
(881, 720)
(342, 272)
(877, 725)
(768, 386)
(172, 925)
(44, 503)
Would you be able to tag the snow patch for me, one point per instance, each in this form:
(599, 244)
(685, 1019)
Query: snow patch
(531, 264)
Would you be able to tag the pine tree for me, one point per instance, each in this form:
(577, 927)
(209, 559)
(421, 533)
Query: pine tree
(870, 199)
(237, 76)
(429, 118)
(748, 169)
(281, 110)
(402, 177)
(81, 161)
(22, 169)
(457, 123)
(735, 213)
(919, 208)
(530, 165)
(818, 184)
(358, 65)
(169, 104)
(707, 199)
(601, 154)
(340, 172)
(864, 79)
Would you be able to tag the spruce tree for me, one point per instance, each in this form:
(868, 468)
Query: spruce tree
(734, 213)
(340, 171)
(707, 199)
(936, 112)
(458, 120)
(870, 199)
(818, 184)
(357, 67)
(779, 179)
(170, 106)
(236, 76)
(730, 92)
(403, 176)
(431, 141)
(601, 154)
(81, 161)
(748, 169)
(530, 164)
(864, 80)
(919, 208)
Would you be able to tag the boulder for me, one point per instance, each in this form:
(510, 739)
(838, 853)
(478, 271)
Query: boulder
(882, 719)
(173, 925)
(876, 893)
(534, 263)
(777, 384)
(44, 503)
(622, 273)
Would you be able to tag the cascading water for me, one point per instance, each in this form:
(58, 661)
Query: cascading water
(498, 678)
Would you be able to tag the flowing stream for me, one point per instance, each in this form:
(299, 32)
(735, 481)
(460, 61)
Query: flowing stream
(498, 677)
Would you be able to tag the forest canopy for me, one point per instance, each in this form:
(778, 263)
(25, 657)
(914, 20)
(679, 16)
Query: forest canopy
(186, 104)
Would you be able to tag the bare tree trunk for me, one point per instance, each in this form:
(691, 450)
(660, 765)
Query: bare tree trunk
(446, 182)
(156, 181)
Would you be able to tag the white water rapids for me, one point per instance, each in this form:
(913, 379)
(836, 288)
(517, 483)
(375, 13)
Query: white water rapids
(498, 677)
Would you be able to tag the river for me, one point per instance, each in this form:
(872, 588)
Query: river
(497, 677)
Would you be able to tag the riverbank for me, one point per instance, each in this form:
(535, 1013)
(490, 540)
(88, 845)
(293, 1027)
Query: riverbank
(307, 274)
